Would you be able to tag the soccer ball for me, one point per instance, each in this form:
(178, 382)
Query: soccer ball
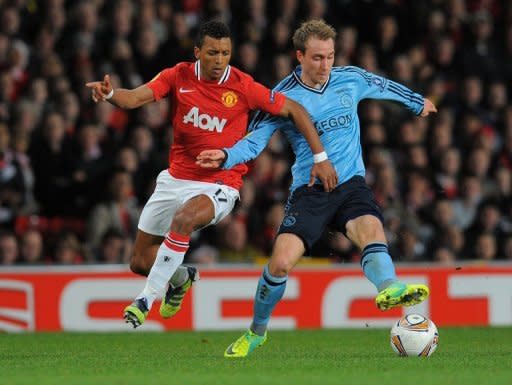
(414, 335)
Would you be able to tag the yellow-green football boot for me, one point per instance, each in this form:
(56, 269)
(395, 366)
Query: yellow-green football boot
(245, 345)
(136, 313)
(171, 303)
(401, 294)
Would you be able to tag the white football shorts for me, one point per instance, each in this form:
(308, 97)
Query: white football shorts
(171, 193)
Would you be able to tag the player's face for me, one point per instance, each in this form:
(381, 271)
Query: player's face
(316, 60)
(214, 56)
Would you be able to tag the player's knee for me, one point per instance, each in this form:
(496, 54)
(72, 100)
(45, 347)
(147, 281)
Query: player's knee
(279, 267)
(184, 222)
(372, 231)
(365, 229)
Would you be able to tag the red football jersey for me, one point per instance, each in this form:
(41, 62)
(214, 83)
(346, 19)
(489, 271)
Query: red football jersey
(209, 115)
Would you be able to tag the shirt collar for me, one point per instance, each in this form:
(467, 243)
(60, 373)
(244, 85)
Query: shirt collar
(297, 73)
(224, 78)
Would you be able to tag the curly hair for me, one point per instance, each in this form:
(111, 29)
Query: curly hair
(213, 28)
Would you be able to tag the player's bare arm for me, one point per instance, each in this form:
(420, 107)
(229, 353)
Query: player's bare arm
(213, 159)
(128, 99)
(322, 167)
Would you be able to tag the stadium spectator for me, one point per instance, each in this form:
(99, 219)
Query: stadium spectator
(150, 160)
(419, 192)
(14, 179)
(281, 65)
(69, 106)
(441, 136)
(496, 101)
(479, 54)
(507, 248)
(485, 248)
(273, 219)
(114, 248)
(448, 171)
(147, 53)
(32, 247)
(367, 58)
(488, 221)
(503, 190)
(120, 212)
(26, 115)
(375, 134)
(505, 155)
(20, 144)
(442, 213)
(444, 256)
(387, 40)
(51, 153)
(204, 255)
(417, 158)
(68, 249)
(9, 248)
(234, 246)
(346, 44)
(249, 59)
(465, 206)
(342, 250)
(408, 247)
(91, 166)
(127, 159)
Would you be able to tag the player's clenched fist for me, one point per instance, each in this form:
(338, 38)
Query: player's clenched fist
(101, 90)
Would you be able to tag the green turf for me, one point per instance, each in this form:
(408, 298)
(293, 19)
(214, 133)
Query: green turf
(465, 356)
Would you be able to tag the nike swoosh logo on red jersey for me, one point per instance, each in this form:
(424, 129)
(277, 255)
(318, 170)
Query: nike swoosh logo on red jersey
(184, 90)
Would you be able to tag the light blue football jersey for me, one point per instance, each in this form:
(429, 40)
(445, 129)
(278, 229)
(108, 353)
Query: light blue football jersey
(333, 109)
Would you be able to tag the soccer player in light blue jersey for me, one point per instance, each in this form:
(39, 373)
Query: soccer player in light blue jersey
(331, 96)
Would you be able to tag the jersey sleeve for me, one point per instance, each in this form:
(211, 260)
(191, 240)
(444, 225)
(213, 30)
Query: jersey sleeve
(261, 129)
(372, 86)
(260, 97)
(163, 83)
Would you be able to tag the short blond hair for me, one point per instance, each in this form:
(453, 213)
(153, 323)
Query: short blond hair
(312, 28)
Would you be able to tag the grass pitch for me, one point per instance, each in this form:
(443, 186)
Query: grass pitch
(465, 356)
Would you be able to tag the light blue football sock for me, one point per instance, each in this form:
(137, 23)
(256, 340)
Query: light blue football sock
(378, 266)
(270, 290)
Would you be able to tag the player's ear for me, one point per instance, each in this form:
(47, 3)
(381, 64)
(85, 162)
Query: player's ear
(300, 55)
(197, 50)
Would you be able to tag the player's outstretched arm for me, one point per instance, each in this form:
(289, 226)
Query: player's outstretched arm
(103, 91)
(245, 149)
(322, 167)
(373, 86)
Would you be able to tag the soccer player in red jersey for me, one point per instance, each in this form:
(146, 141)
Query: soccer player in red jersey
(210, 104)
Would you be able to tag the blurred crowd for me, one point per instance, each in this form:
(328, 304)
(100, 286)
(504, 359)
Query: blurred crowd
(74, 175)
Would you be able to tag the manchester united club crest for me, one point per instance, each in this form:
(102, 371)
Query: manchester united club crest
(229, 99)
